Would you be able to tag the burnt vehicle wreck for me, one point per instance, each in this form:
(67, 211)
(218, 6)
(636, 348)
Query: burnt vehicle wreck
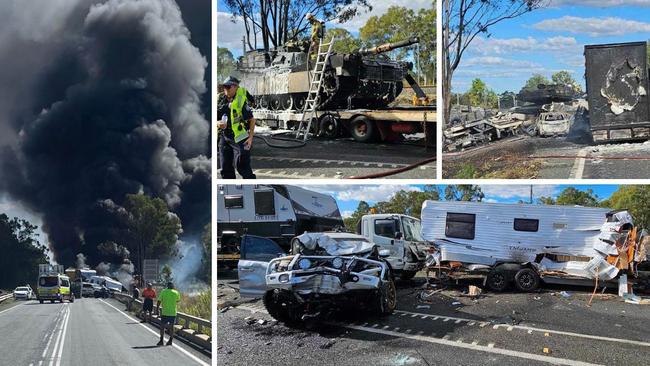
(325, 273)
(280, 78)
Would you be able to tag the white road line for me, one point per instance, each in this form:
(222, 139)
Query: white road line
(579, 335)
(501, 351)
(49, 341)
(58, 339)
(188, 354)
(65, 330)
(11, 308)
(579, 165)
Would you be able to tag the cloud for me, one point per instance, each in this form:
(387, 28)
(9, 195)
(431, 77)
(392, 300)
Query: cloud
(499, 62)
(594, 27)
(599, 3)
(519, 191)
(229, 33)
(368, 193)
(499, 46)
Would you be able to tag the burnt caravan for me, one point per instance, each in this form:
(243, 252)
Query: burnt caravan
(617, 88)
(277, 212)
(524, 244)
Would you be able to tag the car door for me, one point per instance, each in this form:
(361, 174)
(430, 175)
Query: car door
(255, 254)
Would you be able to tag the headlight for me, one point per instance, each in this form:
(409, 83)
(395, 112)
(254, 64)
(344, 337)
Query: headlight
(337, 263)
(304, 263)
(284, 278)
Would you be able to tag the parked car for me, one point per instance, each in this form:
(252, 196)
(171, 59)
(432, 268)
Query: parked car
(23, 293)
(326, 272)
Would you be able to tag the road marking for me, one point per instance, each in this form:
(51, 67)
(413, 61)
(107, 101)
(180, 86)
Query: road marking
(11, 308)
(488, 349)
(187, 353)
(578, 168)
(49, 341)
(58, 347)
(580, 335)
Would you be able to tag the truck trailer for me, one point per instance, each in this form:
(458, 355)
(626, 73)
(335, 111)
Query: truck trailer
(526, 244)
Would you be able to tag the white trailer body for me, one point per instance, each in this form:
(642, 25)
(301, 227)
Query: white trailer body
(491, 233)
(278, 212)
(110, 283)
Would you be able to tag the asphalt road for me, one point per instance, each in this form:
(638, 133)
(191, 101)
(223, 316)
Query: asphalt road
(558, 158)
(499, 329)
(86, 332)
(340, 158)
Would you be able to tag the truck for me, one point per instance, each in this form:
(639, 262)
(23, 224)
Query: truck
(277, 212)
(108, 282)
(52, 284)
(401, 236)
(523, 244)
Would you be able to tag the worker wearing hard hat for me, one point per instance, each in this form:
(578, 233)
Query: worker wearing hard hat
(317, 33)
(236, 125)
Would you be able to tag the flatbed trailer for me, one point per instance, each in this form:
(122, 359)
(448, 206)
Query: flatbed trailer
(364, 125)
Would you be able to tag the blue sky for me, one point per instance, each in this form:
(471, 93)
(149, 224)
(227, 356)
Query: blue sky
(230, 34)
(551, 39)
(348, 196)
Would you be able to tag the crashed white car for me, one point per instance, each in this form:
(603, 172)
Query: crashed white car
(324, 273)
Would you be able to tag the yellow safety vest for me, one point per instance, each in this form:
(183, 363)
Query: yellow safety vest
(236, 120)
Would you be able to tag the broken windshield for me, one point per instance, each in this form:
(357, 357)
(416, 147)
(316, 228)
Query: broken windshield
(412, 229)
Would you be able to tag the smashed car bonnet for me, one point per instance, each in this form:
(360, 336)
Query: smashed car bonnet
(336, 243)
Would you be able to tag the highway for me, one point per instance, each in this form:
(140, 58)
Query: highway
(88, 331)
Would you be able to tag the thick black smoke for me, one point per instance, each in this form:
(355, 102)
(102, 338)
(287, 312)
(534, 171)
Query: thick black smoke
(104, 98)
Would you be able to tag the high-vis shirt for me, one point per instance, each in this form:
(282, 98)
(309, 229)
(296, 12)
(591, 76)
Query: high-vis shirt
(169, 298)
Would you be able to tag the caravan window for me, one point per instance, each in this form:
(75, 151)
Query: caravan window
(526, 225)
(264, 202)
(460, 225)
(234, 201)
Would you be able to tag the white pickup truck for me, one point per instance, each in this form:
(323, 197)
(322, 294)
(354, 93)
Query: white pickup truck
(401, 235)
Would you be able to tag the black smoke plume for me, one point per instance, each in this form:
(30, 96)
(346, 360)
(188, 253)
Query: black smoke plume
(99, 99)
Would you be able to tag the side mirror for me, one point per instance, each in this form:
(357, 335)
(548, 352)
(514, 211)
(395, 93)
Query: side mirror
(398, 235)
(384, 253)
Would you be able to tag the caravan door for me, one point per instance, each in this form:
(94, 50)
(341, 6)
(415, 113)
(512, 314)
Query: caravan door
(255, 254)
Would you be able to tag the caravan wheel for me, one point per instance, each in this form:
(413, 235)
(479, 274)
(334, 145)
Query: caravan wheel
(497, 281)
(526, 280)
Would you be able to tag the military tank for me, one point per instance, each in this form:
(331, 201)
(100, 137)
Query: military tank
(279, 79)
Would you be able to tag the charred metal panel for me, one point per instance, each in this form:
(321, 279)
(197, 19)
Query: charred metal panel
(617, 85)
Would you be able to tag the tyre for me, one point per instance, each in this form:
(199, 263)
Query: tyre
(497, 280)
(281, 306)
(527, 280)
(41, 301)
(329, 126)
(71, 298)
(363, 129)
(385, 301)
(407, 275)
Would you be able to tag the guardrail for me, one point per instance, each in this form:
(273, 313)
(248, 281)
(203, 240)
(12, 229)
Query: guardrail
(187, 326)
(5, 297)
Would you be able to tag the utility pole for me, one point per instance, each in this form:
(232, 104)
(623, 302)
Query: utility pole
(531, 194)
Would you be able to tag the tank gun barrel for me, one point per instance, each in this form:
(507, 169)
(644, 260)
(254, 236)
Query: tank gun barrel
(386, 47)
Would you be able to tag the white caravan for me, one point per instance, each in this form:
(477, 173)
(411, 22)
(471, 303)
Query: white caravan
(523, 242)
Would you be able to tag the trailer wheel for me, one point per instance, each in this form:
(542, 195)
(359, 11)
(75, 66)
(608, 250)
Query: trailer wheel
(527, 280)
(329, 126)
(363, 129)
(497, 281)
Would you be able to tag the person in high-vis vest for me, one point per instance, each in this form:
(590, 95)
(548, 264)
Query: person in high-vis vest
(236, 125)
(317, 33)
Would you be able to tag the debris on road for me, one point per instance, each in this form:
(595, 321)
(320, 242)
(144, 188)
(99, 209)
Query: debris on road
(565, 294)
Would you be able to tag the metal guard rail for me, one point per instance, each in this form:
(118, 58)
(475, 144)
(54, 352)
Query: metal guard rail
(183, 324)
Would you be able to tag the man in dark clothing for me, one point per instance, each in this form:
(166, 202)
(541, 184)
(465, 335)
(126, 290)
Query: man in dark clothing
(236, 128)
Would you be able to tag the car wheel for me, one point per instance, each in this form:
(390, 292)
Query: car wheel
(51, 301)
(527, 280)
(281, 306)
(386, 299)
(497, 280)
(41, 301)
(71, 298)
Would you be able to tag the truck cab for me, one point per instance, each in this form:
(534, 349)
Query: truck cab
(401, 236)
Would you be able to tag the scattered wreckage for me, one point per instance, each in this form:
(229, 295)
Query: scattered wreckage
(616, 106)
(324, 273)
(502, 244)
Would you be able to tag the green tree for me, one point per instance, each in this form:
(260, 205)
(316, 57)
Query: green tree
(546, 201)
(480, 95)
(572, 196)
(153, 229)
(166, 274)
(345, 41)
(21, 252)
(408, 202)
(535, 80)
(564, 77)
(463, 192)
(363, 208)
(225, 63)
(400, 23)
(634, 198)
